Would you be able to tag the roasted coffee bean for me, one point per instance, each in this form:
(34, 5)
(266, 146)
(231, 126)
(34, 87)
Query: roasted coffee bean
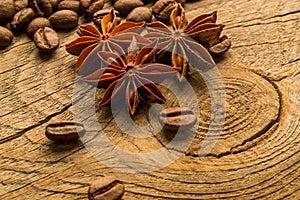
(36, 8)
(6, 36)
(69, 5)
(46, 7)
(140, 14)
(126, 6)
(162, 9)
(35, 24)
(176, 117)
(84, 5)
(54, 4)
(64, 131)
(106, 188)
(46, 40)
(94, 7)
(41, 7)
(7, 11)
(20, 4)
(221, 47)
(21, 19)
(64, 19)
(97, 17)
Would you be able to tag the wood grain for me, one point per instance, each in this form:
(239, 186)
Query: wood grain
(257, 155)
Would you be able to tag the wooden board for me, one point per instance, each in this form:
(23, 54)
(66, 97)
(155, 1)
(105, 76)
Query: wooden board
(257, 154)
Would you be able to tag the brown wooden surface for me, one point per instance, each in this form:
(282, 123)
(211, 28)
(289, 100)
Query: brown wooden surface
(256, 156)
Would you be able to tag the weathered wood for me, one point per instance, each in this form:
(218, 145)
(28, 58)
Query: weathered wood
(256, 156)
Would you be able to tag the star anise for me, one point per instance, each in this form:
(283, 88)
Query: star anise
(111, 37)
(182, 39)
(132, 77)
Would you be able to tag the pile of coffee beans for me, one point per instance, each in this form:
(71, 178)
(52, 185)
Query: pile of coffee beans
(33, 16)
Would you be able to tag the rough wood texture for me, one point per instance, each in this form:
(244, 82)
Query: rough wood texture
(256, 156)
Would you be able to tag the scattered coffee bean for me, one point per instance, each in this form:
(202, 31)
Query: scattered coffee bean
(94, 7)
(221, 47)
(69, 5)
(35, 24)
(7, 11)
(47, 41)
(176, 117)
(46, 7)
(106, 188)
(162, 9)
(54, 4)
(20, 4)
(64, 131)
(64, 19)
(140, 14)
(35, 7)
(126, 6)
(21, 19)
(6, 36)
(84, 5)
(97, 17)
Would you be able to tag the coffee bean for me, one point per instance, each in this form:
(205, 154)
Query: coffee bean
(7, 11)
(162, 9)
(64, 131)
(35, 24)
(41, 7)
(36, 8)
(46, 40)
(84, 5)
(54, 4)
(140, 14)
(46, 7)
(94, 7)
(69, 5)
(176, 117)
(106, 188)
(221, 47)
(6, 36)
(21, 19)
(126, 6)
(97, 17)
(20, 4)
(64, 19)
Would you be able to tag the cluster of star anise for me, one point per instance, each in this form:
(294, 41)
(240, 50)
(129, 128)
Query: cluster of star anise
(129, 62)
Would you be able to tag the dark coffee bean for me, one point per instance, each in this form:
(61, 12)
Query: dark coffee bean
(21, 19)
(36, 8)
(126, 6)
(106, 188)
(54, 4)
(7, 11)
(64, 19)
(140, 14)
(84, 5)
(94, 7)
(97, 17)
(46, 7)
(176, 117)
(221, 47)
(64, 131)
(35, 24)
(6, 36)
(20, 4)
(46, 40)
(162, 9)
(69, 5)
